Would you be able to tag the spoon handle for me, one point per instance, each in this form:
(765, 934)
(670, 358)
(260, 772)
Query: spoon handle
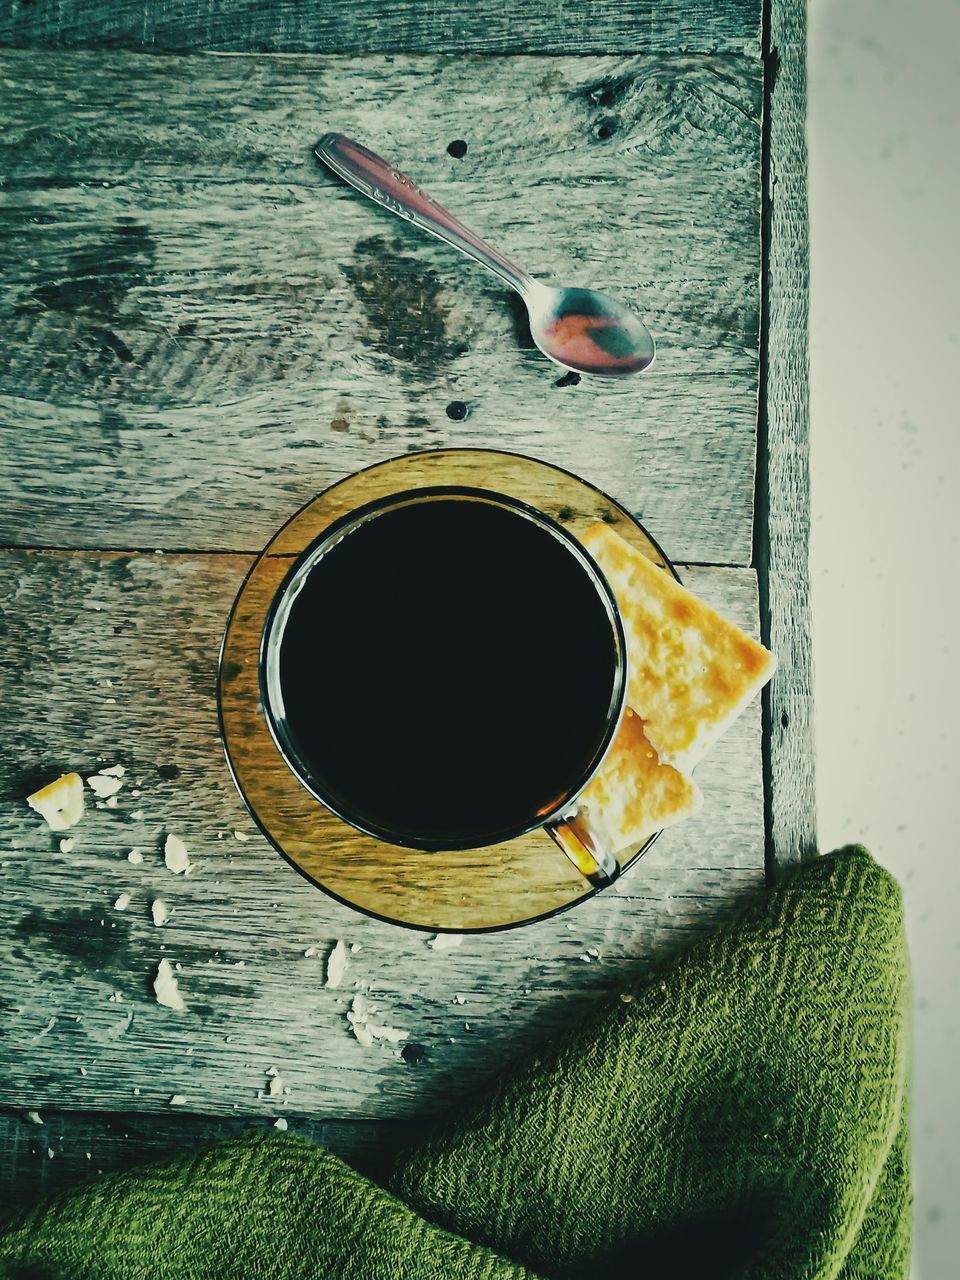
(387, 186)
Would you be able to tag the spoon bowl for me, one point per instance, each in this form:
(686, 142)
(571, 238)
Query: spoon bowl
(578, 328)
(588, 331)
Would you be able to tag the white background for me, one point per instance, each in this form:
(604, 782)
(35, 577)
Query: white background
(884, 136)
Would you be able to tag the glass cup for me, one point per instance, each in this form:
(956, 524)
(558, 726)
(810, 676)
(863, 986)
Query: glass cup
(561, 818)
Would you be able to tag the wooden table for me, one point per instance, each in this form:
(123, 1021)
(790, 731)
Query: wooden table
(201, 330)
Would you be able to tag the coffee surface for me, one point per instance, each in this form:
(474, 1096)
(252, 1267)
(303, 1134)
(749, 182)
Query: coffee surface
(446, 672)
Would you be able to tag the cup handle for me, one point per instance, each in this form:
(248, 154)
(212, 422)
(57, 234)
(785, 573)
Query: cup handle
(584, 847)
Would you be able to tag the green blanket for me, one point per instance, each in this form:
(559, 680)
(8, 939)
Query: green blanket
(739, 1112)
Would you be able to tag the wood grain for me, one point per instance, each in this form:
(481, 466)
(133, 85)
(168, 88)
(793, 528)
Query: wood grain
(482, 26)
(111, 657)
(783, 508)
(204, 329)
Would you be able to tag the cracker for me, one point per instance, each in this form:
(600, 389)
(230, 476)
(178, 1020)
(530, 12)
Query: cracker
(634, 795)
(691, 671)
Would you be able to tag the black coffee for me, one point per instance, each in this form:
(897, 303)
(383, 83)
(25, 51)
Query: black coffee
(447, 672)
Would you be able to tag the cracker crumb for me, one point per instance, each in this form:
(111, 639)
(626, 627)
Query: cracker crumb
(115, 770)
(354, 948)
(275, 1087)
(241, 836)
(178, 1100)
(358, 1015)
(336, 964)
(137, 815)
(34, 1117)
(445, 941)
(104, 785)
(458, 998)
(280, 1124)
(122, 902)
(50, 1153)
(110, 802)
(175, 855)
(392, 1035)
(59, 803)
(66, 845)
(83, 1071)
(159, 911)
(135, 856)
(166, 989)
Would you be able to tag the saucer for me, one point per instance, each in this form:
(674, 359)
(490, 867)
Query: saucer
(462, 890)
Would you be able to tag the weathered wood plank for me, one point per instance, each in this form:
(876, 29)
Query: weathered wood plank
(783, 507)
(481, 26)
(87, 1144)
(150, 625)
(205, 329)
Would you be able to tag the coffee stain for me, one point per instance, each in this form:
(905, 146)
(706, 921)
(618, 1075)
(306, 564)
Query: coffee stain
(99, 276)
(402, 301)
(79, 936)
(91, 294)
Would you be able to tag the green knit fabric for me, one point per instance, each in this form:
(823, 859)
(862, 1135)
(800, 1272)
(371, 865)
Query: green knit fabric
(739, 1112)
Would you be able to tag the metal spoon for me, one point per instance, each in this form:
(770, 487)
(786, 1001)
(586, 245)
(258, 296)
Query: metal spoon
(578, 328)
